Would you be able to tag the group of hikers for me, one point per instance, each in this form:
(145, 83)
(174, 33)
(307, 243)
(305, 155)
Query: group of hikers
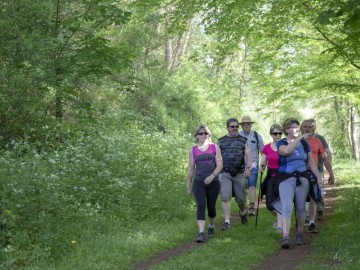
(294, 167)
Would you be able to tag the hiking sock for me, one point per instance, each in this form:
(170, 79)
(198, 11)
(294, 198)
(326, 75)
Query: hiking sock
(285, 235)
(228, 221)
(211, 226)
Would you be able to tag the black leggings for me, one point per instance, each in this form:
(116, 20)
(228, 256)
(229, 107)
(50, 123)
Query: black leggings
(206, 195)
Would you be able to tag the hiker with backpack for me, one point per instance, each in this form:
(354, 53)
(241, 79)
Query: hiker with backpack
(237, 163)
(270, 160)
(255, 142)
(318, 151)
(292, 184)
(205, 164)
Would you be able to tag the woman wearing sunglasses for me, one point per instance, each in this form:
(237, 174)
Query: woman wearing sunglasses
(205, 164)
(270, 160)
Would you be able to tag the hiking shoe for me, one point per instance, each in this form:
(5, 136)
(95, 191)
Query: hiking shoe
(225, 226)
(251, 212)
(243, 219)
(200, 238)
(312, 228)
(278, 230)
(210, 232)
(320, 214)
(285, 244)
(299, 239)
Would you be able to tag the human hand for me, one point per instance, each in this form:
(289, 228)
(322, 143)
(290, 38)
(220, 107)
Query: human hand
(247, 172)
(209, 179)
(331, 180)
(305, 136)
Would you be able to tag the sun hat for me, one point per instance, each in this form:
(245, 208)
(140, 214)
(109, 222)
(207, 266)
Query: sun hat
(246, 119)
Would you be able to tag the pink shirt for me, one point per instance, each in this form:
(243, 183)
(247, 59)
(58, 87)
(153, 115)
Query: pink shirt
(271, 156)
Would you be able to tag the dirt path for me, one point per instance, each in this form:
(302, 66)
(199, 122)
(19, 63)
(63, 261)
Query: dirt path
(289, 258)
(283, 259)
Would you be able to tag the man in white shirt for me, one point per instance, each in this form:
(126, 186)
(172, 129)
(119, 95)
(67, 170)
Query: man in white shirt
(255, 142)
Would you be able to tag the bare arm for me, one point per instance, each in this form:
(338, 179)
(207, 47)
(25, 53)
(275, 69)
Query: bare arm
(328, 167)
(248, 158)
(263, 162)
(286, 150)
(190, 175)
(329, 155)
(313, 167)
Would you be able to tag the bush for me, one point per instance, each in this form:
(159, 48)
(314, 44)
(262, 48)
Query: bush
(50, 200)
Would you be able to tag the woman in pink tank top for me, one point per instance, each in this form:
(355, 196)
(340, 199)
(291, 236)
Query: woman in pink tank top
(205, 163)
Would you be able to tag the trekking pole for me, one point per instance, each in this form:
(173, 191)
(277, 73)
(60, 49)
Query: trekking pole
(257, 209)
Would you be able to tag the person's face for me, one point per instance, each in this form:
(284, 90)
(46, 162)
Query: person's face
(313, 127)
(233, 129)
(307, 128)
(246, 127)
(293, 130)
(276, 135)
(202, 135)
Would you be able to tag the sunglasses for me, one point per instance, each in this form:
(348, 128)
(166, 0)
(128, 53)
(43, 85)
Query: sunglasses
(203, 133)
(237, 126)
(276, 133)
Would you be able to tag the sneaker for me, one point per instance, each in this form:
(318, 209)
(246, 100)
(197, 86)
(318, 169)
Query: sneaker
(251, 212)
(278, 230)
(210, 232)
(285, 244)
(200, 238)
(243, 219)
(320, 214)
(299, 239)
(312, 228)
(225, 226)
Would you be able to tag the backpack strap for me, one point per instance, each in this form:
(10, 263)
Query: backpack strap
(257, 141)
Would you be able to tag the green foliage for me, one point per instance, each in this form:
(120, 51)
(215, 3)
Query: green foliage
(51, 52)
(49, 199)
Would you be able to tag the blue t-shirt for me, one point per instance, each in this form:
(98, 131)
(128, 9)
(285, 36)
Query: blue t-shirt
(297, 160)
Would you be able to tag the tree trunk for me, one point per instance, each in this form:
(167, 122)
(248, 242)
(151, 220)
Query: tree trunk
(181, 46)
(168, 54)
(354, 133)
(58, 105)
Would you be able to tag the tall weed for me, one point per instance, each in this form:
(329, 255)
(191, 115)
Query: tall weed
(52, 200)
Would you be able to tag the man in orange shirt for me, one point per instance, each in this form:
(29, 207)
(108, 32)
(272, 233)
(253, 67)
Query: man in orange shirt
(317, 150)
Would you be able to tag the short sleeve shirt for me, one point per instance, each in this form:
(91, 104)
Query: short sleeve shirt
(271, 156)
(296, 160)
(253, 145)
(317, 148)
(326, 146)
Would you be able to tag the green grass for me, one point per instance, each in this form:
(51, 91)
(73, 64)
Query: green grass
(338, 244)
(103, 203)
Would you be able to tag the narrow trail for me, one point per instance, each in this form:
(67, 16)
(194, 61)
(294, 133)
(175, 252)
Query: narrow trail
(283, 259)
(289, 259)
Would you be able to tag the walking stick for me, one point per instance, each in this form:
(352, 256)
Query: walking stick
(257, 209)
